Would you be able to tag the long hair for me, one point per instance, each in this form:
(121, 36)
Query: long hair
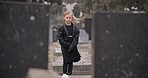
(74, 19)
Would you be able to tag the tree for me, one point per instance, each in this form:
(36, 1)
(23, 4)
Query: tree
(120, 5)
(146, 5)
(69, 1)
(86, 6)
(59, 2)
(108, 5)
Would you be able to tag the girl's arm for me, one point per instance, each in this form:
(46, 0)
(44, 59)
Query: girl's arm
(75, 40)
(61, 40)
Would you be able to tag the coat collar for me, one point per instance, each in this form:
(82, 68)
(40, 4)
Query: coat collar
(67, 30)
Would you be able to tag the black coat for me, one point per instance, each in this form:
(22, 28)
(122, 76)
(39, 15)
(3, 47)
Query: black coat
(69, 50)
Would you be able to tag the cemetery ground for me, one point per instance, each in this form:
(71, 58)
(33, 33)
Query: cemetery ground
(81, 69)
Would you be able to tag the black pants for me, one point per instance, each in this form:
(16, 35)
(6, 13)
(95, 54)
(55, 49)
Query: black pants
(67, 68)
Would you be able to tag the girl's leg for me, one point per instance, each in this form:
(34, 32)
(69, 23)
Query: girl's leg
(65, 64)
(70, 67)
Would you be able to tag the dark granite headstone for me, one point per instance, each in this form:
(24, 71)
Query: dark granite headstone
(23, 38)
(55, 34)
(16, 0)
(88, 26)
(120, 45)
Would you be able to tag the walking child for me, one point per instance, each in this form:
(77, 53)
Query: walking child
(68, 35)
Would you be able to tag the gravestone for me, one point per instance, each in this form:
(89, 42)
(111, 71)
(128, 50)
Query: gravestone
(83, 38)
(120, 45)
(16, 0)
(55, 34)
(41, 73)
(88, 26)
(23, 38)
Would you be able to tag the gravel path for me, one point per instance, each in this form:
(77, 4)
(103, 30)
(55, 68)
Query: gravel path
(79, 76)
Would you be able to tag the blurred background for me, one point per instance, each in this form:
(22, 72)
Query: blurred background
(84, 10)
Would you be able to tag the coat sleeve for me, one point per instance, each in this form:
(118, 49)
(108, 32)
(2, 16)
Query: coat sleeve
(61, 38)
(75, 40)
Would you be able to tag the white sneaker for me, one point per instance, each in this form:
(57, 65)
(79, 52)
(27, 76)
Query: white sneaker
(65, 76)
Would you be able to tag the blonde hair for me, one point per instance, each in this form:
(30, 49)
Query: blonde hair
(75, 20)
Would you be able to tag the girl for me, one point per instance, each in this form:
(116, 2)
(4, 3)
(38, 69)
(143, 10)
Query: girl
(68, 38)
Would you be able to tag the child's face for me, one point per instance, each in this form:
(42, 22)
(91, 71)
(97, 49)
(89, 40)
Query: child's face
(68, 19)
